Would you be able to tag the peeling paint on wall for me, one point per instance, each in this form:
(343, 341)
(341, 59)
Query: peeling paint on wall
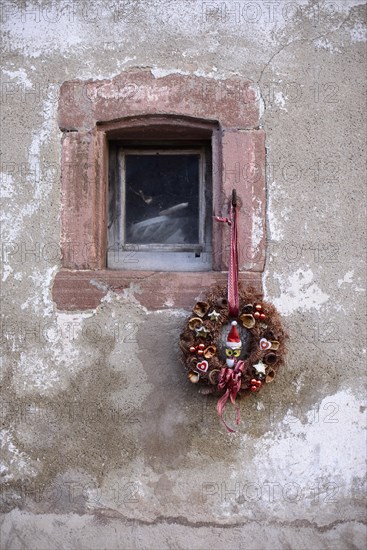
(99, 422)
(298, 292)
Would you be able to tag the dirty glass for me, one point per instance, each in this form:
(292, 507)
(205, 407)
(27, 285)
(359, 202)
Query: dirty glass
(162, 198)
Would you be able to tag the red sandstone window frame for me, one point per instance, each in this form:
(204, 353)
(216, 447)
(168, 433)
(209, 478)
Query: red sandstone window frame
(93, 112)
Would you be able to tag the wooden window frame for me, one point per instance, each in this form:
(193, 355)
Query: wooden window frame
(161, 257)
(92, 113)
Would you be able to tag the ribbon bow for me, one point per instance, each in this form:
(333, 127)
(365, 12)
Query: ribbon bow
(230, 380)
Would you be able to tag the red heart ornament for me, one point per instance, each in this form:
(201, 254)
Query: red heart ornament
(264, 344)
(203, 366)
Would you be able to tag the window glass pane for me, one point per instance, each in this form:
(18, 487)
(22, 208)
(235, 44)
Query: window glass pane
(162, 198)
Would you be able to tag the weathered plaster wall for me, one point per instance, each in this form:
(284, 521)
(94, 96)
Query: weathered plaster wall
(104, 443)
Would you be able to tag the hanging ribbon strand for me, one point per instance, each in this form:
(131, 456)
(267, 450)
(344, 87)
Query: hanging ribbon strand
(230, 380)
(233, 300)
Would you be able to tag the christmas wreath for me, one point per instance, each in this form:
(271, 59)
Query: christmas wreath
(234, 341)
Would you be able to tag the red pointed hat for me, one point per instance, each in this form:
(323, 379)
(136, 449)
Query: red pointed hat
(233, 339)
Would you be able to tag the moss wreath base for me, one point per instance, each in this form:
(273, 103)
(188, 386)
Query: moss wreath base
(258, 345)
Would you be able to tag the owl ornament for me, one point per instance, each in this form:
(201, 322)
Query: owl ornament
(233, 344)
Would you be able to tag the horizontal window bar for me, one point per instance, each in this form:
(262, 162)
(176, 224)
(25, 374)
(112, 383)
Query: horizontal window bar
(159, 247)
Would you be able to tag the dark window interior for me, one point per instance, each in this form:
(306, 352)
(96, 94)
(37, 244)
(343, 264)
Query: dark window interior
(162, 198)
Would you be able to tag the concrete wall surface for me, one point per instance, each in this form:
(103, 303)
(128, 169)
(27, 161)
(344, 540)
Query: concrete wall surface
(105, 444)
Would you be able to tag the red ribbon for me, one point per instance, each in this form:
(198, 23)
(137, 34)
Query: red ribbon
(233, 300)
(230, 380)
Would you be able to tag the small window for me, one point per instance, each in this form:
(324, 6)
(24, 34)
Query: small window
(160, 206)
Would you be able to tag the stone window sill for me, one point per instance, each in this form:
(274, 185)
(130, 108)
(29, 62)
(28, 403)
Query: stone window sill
(75, 290)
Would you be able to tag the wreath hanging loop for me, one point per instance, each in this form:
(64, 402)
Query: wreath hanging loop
(234, 341)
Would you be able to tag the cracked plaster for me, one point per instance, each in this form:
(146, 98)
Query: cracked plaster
(104, 439)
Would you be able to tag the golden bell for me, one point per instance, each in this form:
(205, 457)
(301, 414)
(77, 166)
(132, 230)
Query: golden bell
(210, 351)
(270, 376)
(201, 309)
(214, 376)
(194, 377)
(248, 320)
(274, 345)
(195, 322)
